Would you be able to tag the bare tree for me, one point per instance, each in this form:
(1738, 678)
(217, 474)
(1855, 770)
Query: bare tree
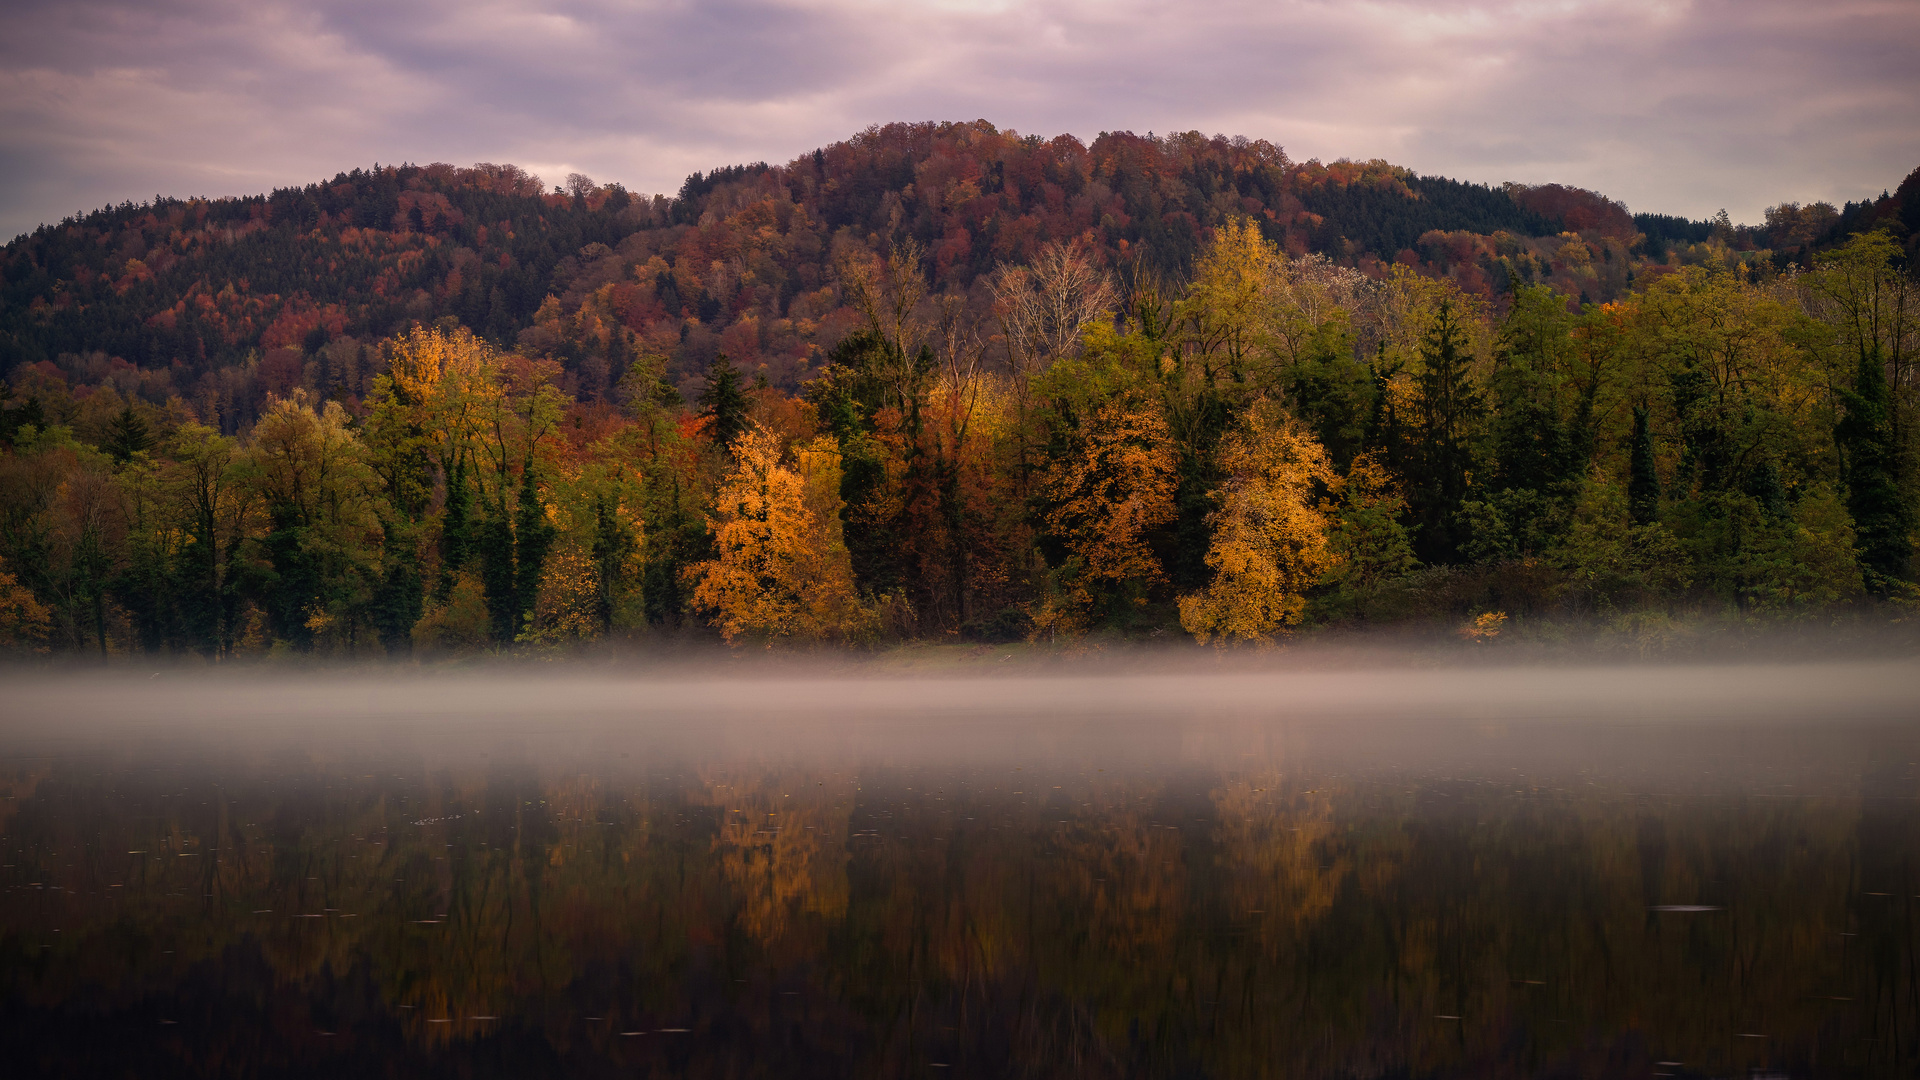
(886, 292)
(1044, 306)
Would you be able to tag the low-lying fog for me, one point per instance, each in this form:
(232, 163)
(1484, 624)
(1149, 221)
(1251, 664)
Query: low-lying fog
(1372, 867)
(1805, 724)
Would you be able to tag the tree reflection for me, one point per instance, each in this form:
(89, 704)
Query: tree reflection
(746, 917)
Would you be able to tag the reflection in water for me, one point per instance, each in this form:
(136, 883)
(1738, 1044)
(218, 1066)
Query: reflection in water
(1288, 894)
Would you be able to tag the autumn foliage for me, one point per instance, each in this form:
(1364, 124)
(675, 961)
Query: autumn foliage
(944, 381)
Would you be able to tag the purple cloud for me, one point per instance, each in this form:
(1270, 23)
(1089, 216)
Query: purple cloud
(1676, 106)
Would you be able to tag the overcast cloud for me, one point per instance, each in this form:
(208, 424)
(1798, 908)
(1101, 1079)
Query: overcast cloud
(1674, 106)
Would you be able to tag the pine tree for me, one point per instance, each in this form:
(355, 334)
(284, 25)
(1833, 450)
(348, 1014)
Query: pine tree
(1643, 481)
(400, 599)
(723, 404)
(1882, 520)
(533, 539)
(613, 544)
(495, 547)
(456, 529)
(1447, 407)
(127, 435)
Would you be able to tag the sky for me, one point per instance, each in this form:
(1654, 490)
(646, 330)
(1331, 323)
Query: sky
(1672, 106)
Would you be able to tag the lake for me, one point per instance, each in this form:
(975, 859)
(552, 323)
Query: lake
(1347, 871)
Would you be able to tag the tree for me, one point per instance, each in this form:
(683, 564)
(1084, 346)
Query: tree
(781, 567)
(1270, 533)
(1447, 409)
(615, 542)
(1881, 514)
(24, 620)
(1369, 544)
(1229, 304)
(1536, 437)
(127, 435)
(1860, 290)
(1331, 391)
(533, 539)
(208, 483)
(723, 404)
(1043, 306)
(1643, 480)
(1109, 482)
(319, 497)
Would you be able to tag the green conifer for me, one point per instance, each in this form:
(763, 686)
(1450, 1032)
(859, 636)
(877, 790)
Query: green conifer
(533, 539)
(1643, 480)
(1882, 520)
(1448, 407)
(127, 435)
(723, 404)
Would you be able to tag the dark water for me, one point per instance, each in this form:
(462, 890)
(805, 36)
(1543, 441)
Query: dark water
(1690, 872)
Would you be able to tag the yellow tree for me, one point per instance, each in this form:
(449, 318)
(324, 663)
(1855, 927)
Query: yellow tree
(1113, 484)
(24, 620)
(591, 583)
(1270, 534)
(782, 568)
(426, 421)
(323, 530)
(1228, 306)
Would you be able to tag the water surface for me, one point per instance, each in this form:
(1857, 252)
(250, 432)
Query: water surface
(1393, 872)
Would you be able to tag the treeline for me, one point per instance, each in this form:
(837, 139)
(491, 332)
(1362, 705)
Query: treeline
(1278, 441)
(224, 303)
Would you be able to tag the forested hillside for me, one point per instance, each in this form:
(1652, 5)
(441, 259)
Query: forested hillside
(222, 302)
(942, 379)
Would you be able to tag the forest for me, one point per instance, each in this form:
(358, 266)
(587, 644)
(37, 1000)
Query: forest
(946, 382)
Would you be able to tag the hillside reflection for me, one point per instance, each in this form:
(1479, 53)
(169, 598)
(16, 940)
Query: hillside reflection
(220, 911)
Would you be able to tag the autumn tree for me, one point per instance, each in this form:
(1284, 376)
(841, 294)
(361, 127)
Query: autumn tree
(24, 620)
(1229, 305)
(320, 546)
(1109, 481)
(1270, 533)
(781, 567)
(1043, 305)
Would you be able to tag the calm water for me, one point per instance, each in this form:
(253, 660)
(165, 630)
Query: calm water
(1690, 872)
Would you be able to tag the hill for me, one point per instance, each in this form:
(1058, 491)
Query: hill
(221, 302)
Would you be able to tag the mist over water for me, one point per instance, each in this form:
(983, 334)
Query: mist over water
(1143, 869)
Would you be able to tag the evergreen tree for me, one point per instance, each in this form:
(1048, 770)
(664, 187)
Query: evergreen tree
(1533, 442)
(1448, 406)
(400, 598)
(293, 580)
(1333, 393)
(866, 373)
(14, 417)
(723, 404)
(494, 545)
(1882, 520)
(127, 435)
(613, 544)
(456, 528)
(1643, 481)
(533, 539)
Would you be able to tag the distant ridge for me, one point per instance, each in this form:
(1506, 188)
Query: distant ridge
(742, 257)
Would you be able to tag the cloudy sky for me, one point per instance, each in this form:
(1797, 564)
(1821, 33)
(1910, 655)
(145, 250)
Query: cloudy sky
(1674, 106)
